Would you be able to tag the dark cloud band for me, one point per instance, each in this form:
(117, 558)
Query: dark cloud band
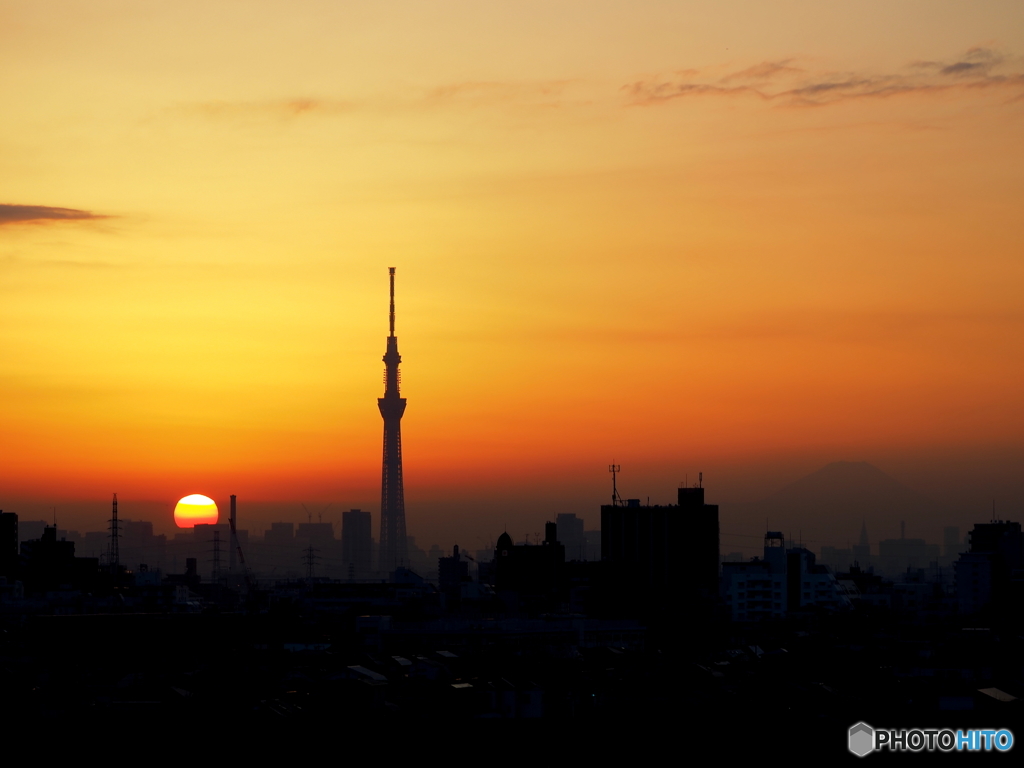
(14, 214)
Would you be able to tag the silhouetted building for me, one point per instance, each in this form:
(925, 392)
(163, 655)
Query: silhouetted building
(530, 578)
(570, 533)
(664, 557)
(809, 584)
(991, 573)
(190, 578)
(355, 544)
(8, 544)
(862, 549)
(280, 535)
(49, 564)
(756, 589)
(452, 573)
(784, 581)
(139, 544)
(316, 534)
(896, 555)
(950, 542)
(837, 559)
(392, 490)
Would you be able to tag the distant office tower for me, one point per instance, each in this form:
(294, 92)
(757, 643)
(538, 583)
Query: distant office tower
(661, 555)
(988, 574)
(355, 544)
(315, 534)
(280, 541)
(951, 541)
(392, 495)
(862, 549)
(570, 533)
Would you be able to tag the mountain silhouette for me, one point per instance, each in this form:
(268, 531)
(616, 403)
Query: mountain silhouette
(829, 506)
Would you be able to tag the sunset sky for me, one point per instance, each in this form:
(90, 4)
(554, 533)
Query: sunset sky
(745, 238)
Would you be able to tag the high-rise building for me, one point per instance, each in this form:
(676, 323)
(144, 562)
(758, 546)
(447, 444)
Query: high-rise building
(356, 544)
(663, 555)
(530, 578)
(990, 572)
(862, 549)
(785, 580)
(392, 494)
(570, 533)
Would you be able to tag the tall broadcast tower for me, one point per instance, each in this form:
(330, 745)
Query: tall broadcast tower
(392, 496)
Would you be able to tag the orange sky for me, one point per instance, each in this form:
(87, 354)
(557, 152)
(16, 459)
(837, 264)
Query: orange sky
(743, 236)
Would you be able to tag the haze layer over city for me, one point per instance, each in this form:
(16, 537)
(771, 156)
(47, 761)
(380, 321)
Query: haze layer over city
(754, 241)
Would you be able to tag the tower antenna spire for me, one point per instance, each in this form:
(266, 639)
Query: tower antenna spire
(391, 272)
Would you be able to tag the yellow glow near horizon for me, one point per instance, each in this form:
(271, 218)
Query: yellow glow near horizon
(194, 510)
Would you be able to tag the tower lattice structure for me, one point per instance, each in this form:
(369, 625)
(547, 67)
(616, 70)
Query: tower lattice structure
(392, 494)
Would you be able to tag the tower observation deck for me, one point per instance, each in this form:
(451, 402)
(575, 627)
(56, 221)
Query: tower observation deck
(392, 545)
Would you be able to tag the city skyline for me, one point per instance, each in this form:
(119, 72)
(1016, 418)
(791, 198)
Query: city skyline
(731, 240)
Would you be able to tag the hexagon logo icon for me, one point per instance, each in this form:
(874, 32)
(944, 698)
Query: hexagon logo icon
(862, 739)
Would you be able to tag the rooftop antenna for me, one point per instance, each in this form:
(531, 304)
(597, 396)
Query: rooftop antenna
(700, 479)
(616, 499)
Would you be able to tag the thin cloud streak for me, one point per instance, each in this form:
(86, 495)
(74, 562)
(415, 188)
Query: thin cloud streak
(460, 94)
(274, 108)
(786, 84)
(37, 214)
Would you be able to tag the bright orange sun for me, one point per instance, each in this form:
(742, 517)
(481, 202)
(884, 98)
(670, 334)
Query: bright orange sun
(195, 510)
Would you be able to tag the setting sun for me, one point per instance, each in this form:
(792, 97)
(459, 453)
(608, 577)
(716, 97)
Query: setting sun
(195, 510)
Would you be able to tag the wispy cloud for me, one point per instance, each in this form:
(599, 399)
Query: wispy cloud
(785, 83)
(39, 214)
(451, 95)
(490, 92)
(270, 108)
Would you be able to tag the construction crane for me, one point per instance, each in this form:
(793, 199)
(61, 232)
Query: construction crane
(320, 514)
(250, 580)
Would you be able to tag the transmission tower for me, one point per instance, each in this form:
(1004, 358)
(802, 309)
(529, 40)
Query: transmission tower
(215, 575)
(310, 559)
(115, 534)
